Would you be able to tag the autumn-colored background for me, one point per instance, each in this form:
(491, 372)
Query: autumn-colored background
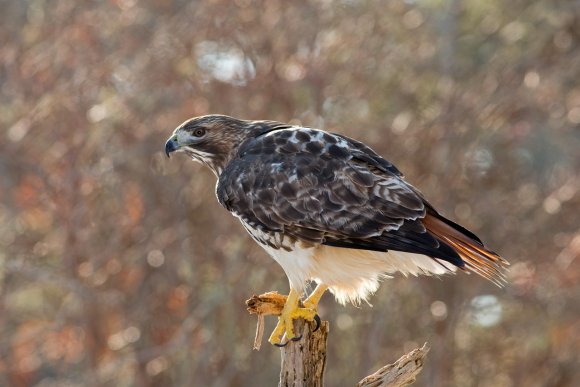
(119, 268)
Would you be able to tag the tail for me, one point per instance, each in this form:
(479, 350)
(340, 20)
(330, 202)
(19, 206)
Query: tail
(470, 249)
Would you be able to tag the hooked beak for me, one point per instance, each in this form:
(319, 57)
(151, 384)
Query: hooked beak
(171, 146)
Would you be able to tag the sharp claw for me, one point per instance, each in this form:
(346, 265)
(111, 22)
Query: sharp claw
(318, 322)
(280, 345)
(296, 338)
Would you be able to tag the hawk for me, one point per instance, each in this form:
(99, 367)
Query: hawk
(328, 209)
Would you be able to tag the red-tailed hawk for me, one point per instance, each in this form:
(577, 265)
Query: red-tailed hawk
(328, 209)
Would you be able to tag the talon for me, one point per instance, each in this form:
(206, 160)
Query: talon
(318, 322)
(280, 345)
(296, 338)
(292, 311)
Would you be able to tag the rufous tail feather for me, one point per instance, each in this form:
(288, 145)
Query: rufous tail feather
(477, 258)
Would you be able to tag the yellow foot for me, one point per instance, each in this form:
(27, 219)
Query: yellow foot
(291, 312)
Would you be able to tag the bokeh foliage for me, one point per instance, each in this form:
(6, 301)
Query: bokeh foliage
(119, 268)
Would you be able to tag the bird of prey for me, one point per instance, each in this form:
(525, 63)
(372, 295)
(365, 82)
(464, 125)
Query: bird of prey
(328, 209)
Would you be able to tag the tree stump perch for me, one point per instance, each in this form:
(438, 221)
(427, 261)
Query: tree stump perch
(304, 361)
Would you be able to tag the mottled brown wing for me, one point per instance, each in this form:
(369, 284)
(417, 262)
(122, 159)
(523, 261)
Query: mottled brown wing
(324, 188)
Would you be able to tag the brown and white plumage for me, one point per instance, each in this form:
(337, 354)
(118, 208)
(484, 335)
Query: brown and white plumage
(328, 208)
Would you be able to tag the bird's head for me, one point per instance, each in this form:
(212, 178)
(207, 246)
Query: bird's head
(211, 140)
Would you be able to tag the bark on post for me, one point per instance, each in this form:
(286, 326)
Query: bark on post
(304, 361)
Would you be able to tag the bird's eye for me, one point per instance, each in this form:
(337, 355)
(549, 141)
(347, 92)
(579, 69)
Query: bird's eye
(199, 132)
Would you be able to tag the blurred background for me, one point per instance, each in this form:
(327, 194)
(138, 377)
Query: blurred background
(119, 268)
